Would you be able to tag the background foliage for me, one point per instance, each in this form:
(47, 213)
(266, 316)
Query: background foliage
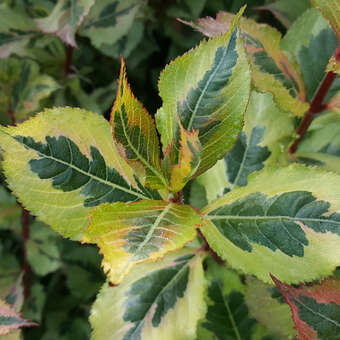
(63, 53)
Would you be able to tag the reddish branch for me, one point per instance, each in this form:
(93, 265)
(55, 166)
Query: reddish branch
(25, 231)
(25, 237)
(316, 106)
(206, 247)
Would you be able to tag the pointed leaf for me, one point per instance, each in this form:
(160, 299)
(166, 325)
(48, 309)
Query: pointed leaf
(331, 11)
(10, 319)
(65, 18)
(63, 162)
(109, 21)
(285, 222)
(263, 46)
(133, 128)
(315, 308)
(161, 300)
(189, 159)
(268, 307)
(22, 87)
(128, 234)
(208, 88)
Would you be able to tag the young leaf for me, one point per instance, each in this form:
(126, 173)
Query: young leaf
(285, 222)
(10, 319)
(63, 162)
(227, 315)
(155, 301)
(134, 130)
(265, 306)
(65, 18)
(315, 308)
(108, 22)
(22, 87)
(263, 46)
(128, 234)
(208, 88)
(189, 159)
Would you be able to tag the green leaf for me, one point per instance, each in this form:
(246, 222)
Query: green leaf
(65, 19)
(109, 21)
(284, 222)
(314, 59)
(134, 131)
(267, 308)
(22, 87)
(62, 163)
(153, 301)
(129, 234)
(208, 88)
(287, 11)
(16, 30)
(10, 211)
(34, 306)
(315, 308)
(227, 315)
(42, 249)
(331, 11)
(10, 319)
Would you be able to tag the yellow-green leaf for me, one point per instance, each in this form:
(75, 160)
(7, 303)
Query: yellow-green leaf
(65, 18)
(331, 11)
(189, 160)
(286, 222)
(333, 65)
(160, 300)
(208, 89)
(134, 130)
(133, 233)
(63, 162)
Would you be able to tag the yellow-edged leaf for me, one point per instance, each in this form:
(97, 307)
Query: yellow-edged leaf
(133, 233)
(62, 163)
(134, 129)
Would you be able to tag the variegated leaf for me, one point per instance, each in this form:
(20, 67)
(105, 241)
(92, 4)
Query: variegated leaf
(62, 163)
(331, 11)
(16, 30)
(189, 159)
(22, 87)
(109, 21)
(275, 72)
(285, 221)
(65, 19)
(208, 88)
(315, 308)
(133, 233)
(134, 130)
(161, 300)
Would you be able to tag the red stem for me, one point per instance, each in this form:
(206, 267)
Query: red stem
(25, 231)
(25, 237)
(68, 61)
(316, 106)
(206, 247)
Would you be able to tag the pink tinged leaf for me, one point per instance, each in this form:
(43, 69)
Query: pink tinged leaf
(325, 297)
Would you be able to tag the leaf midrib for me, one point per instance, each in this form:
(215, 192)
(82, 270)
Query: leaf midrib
(144, 161)
(160, 293)
(141, 196)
